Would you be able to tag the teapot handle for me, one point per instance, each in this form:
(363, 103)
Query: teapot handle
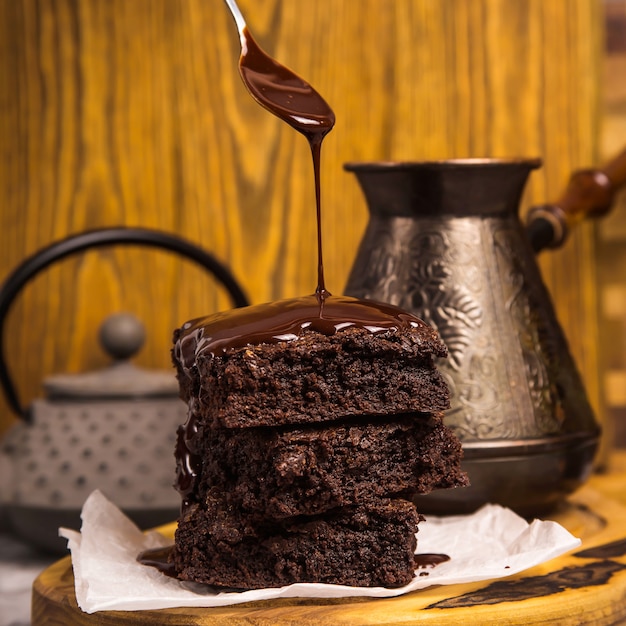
(32, 265)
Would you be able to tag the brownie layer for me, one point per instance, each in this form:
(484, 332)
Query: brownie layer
(317, 378)
(363, 546)
(308, 470)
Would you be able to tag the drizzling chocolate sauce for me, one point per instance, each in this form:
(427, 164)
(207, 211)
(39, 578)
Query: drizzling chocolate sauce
(294, 101)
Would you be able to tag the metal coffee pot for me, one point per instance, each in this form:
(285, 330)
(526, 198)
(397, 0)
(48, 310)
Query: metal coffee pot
(112, 429)
(445, 242)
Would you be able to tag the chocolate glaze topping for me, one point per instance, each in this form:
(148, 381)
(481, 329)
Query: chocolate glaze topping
(285, 320)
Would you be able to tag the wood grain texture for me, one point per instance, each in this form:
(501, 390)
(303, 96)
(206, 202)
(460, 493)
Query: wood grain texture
(587, 586)
(133, 113)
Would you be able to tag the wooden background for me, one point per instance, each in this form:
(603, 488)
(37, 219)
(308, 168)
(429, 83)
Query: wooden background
(131, 112)
(611, 232)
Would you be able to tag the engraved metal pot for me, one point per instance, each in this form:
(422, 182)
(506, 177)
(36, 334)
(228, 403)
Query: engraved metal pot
(445, 242)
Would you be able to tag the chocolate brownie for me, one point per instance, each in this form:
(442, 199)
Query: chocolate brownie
(307, 470)
(368, 546)
(311, 424)
(315, 378)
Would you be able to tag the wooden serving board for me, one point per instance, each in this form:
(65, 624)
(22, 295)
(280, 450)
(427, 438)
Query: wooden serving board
(587, 586)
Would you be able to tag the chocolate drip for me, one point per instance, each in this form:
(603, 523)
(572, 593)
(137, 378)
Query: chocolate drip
(159, 558)
(430, 560)
(187, 461)
(294, 101)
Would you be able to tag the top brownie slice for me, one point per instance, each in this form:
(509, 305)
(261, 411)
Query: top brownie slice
(311, 376)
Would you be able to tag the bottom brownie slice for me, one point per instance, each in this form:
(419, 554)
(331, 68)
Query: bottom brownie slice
(357, 546)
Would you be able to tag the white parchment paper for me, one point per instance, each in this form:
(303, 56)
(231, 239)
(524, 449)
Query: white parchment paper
(492, 543)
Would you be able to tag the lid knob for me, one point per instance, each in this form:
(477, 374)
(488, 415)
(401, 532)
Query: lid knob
(122, 335)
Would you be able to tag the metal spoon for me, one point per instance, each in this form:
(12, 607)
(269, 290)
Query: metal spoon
(277, 88)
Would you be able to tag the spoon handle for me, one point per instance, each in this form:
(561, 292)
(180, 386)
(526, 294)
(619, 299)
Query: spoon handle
(239, 20)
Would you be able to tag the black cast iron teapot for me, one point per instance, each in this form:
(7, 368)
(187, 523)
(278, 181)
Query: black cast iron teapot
(111, 429)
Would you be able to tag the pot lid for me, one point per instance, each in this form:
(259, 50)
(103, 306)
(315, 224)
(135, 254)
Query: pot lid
(121, 335)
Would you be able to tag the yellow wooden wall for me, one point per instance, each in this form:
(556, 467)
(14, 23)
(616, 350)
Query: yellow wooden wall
(131, 112)
(611, 231)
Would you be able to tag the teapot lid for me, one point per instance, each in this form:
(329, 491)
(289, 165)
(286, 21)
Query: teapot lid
(121, 335)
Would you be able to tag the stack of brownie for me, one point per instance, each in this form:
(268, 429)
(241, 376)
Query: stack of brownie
(301, 453)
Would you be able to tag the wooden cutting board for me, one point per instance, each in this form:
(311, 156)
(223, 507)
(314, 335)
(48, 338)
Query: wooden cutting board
(587, 586)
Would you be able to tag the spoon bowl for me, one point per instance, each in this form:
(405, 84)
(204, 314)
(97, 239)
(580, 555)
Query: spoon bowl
(277, 88)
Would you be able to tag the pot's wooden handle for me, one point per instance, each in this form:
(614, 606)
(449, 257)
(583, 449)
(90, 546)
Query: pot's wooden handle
(589, 193)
